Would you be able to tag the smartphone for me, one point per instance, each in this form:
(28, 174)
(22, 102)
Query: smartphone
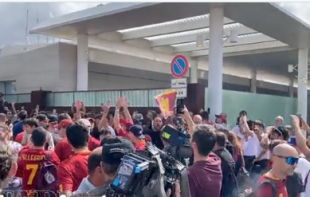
(54, 111)
(22, 108)
(300, 120)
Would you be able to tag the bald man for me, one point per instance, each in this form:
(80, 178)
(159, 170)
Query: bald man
(95, 175)
(197, 119)
(285, 159)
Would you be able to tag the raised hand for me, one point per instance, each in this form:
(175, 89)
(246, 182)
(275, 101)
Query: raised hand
(125, 102)
(295, 121)
(78, 105)
(119, 103)
(106, 106)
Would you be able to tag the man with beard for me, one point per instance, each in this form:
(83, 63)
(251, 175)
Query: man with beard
(154, 132)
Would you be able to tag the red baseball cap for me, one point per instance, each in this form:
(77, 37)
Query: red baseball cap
(64, 123)
(222, 116)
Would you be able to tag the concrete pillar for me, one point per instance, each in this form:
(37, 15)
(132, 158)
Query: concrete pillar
(253, 81)
(302, 82)
(215, 74)
(194, 71)
(291, 88)
(82, 63)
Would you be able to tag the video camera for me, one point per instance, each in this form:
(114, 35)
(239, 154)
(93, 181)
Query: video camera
(179, 142)
(142, 168)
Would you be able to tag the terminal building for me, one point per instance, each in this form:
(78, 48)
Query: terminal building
(111, 47)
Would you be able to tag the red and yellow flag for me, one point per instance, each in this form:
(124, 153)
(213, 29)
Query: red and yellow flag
(166, 102)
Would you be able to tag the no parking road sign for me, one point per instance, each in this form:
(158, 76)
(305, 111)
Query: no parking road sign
(179, 66)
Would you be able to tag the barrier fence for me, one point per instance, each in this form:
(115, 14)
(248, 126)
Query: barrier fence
(259, 106)
(18, 98)
(137, 98)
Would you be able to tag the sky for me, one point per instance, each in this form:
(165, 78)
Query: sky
(14, 18)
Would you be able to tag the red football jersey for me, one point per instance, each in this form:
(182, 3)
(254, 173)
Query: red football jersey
(266, 190)
(29, 164)
(64, 150)
(72, 171)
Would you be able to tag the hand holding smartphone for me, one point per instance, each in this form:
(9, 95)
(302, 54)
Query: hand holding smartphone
(300, 120)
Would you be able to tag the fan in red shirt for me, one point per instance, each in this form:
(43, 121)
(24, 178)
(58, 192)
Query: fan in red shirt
(285, 159)
(29, 160)
(72, 171)
(63, 149)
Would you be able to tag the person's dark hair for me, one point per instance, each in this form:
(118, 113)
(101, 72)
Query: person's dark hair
(22, 115)
(77, 135)
(221, 139)
(93, 162)
(259, 123)
(274, 143)
(204, 115)
(205, 138)
(63, 116)
(31, 122)
(282, 131)
(38, 136)
(6, 161)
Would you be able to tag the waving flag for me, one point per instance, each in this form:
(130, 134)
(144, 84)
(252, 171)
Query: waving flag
(166, 102)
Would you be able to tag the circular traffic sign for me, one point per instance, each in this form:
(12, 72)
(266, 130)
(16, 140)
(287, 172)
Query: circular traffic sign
(179, 66)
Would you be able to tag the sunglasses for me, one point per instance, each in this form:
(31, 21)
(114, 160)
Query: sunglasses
(289, 160)
(279, 130)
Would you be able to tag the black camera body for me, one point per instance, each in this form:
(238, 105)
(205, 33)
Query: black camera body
(137, 169)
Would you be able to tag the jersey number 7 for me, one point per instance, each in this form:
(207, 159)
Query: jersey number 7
(34, 169)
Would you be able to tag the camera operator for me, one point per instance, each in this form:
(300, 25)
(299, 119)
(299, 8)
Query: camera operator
(112, 152)
(176, 132)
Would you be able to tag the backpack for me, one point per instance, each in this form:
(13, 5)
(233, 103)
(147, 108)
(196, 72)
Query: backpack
(46, 177)
(264, 182)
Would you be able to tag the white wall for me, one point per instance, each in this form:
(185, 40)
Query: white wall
(32, 70)
(98, 81)
(53, 68)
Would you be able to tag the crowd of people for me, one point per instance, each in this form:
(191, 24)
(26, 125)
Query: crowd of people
(71, 154)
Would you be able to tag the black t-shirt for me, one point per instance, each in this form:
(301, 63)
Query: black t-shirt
(294, 185)
(229, 183)
(156, 139)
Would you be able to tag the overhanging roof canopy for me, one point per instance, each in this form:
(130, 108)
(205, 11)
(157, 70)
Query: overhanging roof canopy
(177, 25)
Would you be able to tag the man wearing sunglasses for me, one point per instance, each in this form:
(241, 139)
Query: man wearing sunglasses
(285, 159)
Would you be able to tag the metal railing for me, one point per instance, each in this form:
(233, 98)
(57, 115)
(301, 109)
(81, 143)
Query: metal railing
(18, 98)
(137, 98)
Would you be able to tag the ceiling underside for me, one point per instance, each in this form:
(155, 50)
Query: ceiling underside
(185, 31)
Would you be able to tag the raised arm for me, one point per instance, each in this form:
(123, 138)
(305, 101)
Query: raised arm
(125, 104)
(103, 123)
(189, 121)
(116, 119)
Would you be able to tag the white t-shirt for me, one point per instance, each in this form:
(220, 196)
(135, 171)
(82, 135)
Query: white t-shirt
(303, 167)
(236, 130)
(251, 147)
